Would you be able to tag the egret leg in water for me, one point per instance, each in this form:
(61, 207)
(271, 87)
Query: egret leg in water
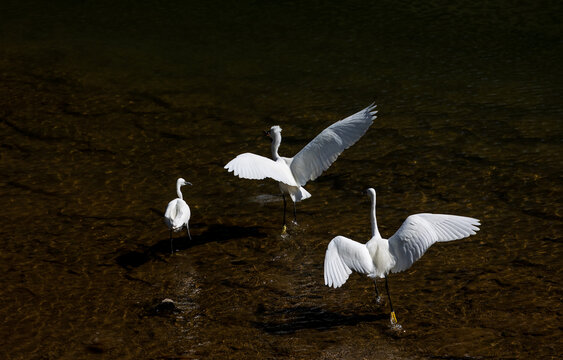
(393, 317)
(378, 298)
(284, 227)
(188, 228)
(172, 239)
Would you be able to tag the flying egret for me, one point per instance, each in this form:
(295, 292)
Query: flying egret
(177, 214)
(317, 156)
(379, 257)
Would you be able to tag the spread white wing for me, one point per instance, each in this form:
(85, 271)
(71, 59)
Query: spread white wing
(256, 167)
(420, 231)
(342, 256)
(322, 151)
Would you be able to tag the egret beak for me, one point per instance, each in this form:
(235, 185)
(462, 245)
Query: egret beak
(267, 133)
(188, 183)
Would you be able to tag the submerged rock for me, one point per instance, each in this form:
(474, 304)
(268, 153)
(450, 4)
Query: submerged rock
(165, 306)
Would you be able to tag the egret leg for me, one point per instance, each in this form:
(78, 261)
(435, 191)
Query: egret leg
(188, 228)
(393, 317)
(284, 227)
(378, 298)
(171, 242)
(294, 214)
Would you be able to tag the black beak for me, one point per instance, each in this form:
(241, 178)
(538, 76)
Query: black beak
(267, 133)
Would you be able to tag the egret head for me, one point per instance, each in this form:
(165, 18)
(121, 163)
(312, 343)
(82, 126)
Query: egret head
(371, 193)
(183, 182)
(274, 132)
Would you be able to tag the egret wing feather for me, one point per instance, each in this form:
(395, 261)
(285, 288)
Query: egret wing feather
(342, 256)
(256, 167)
(418, 232)
(324, 149)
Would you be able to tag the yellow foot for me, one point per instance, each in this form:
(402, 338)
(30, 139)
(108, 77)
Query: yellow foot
(284, 230)
(393, 318)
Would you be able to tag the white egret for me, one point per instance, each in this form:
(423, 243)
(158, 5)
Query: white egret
(177, 214)
(317, 156)
(379, 257)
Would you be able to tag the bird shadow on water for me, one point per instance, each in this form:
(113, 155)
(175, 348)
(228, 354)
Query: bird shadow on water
(290, 320)
(214, 233)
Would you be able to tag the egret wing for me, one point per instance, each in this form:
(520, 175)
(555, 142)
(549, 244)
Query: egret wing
(322, 151)
(177, 214)
(182, 214)
(420, 231)
(256, 167)
(342, 256)
(169, 213)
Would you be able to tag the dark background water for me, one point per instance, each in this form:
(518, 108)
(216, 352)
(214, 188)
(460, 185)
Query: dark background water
(104, 104)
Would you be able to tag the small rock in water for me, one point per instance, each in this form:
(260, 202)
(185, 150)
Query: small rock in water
(166, 305)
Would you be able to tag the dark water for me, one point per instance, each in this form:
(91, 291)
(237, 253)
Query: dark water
(104, 105)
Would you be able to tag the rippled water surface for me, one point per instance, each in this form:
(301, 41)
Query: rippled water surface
(104, 104)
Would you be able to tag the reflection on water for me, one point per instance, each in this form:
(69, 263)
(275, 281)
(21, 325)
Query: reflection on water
(104, 106)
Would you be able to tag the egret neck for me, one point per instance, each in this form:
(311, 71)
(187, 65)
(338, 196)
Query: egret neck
(374, 229)
(179, 184)
(275, 134)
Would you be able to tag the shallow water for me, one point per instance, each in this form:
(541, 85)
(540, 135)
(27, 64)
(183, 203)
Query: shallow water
(103, 106)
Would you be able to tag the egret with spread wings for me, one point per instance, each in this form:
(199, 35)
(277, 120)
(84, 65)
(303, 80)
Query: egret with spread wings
(317, 156)
(379, 257)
